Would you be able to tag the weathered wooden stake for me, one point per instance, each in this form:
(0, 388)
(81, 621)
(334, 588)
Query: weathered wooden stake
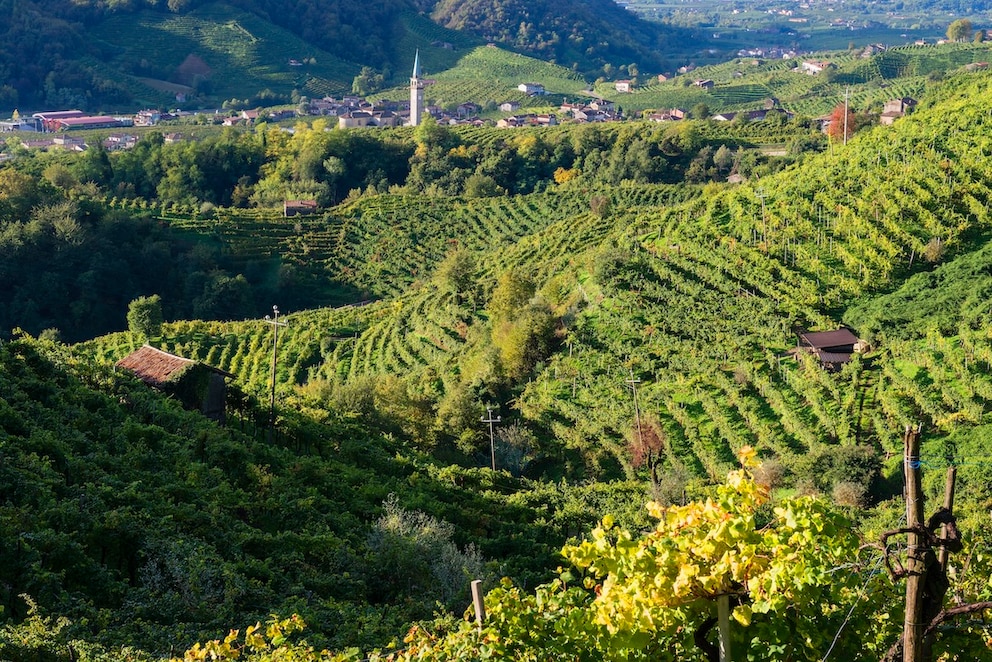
(916, 555)
(723, 620)
(480, 606)
(949, 505)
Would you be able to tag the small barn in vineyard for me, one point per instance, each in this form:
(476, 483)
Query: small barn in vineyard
(196, 385)
(832, 348)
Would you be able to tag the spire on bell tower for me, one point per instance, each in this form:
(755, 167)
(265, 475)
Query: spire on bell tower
(417, 85)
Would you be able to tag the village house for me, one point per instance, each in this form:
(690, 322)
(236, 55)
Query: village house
(194, 384)
(509, 106)
(670, 115)
(41, 143)
(895, 108)
(355, 119)
(147, 117)
(815, 67)
(117, 142)
(531, 89)
(468, 109)
(624, 86)
(530, 119)
(292, 208)
(325, 106)
(281, 114)
(385, 118)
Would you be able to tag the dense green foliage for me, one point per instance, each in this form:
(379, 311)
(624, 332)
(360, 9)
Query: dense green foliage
(575, 35)
(150, 526)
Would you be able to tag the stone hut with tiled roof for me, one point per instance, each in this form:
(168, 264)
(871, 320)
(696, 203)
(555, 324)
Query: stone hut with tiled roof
(196, 385)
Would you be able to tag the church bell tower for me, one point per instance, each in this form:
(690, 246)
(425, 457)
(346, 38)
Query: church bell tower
(417, 85)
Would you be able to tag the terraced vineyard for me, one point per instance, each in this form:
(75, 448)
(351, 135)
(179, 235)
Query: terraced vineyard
(703, 313)
(385, 243)
(488, 73)
(243, 53)
(746, 82)
(696, 293)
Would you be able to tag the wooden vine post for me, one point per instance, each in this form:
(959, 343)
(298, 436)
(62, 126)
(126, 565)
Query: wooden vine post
(925, 568)
(916, 561)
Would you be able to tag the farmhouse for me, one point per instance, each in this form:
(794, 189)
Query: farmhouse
(530, 119)
(832, 348)
(298, 207)
(670, 115)
(196, 385)
(531, 89)
(117, 142)
(895, 108)
(147, 117)
(468, 109)
(706, 84)
(814, 67)
(624, 86)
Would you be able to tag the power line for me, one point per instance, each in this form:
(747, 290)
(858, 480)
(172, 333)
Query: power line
(488, 418)
(861, 593)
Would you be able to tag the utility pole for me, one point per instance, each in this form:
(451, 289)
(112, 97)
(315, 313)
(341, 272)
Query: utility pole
(274, 321)
(916, 561)
(488, 418)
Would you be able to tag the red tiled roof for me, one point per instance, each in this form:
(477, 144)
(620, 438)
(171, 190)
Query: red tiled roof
(153, 366)
(84, 121)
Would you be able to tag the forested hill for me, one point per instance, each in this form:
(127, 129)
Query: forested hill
(100, 55)
(573, 34)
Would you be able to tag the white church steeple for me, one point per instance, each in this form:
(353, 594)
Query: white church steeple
(417, 85)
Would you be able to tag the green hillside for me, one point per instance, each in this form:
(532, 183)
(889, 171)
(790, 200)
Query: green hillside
(630, 316)
(240, 53)
(699, 300)
(745, 83)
